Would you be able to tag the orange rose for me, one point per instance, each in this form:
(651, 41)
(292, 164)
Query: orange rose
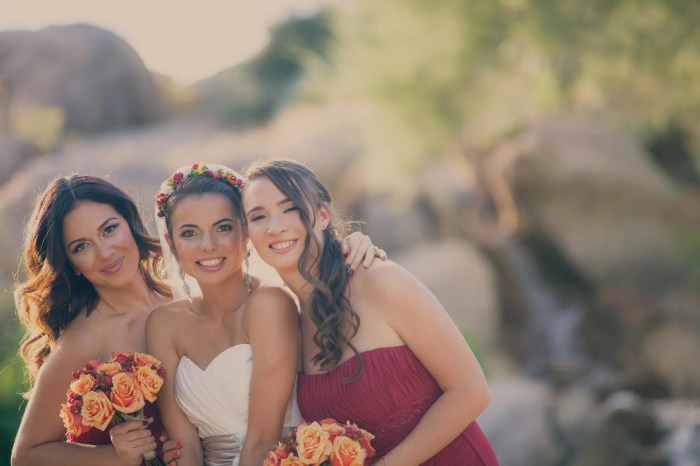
(292, 460)
(72, 422)
(126, 396)
(144, 359)
(347, 452)
(97, 410)
(83, 384)
(313, 444)
(333, 428)
(271, 460)
(110, 368)
(148, 381)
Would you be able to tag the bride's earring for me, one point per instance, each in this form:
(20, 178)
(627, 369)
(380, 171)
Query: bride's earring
(247, 278)
(185, 286)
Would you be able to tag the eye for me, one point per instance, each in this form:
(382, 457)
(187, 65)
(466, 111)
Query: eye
(110, 228)
(225, 227)
(79, 247)
(187, 233)
(256, 217)
(291, 209)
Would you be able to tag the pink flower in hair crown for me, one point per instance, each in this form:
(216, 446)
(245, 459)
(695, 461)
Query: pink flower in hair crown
(217, 172)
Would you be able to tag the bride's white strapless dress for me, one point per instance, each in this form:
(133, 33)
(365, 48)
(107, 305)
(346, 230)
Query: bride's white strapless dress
(215, 400)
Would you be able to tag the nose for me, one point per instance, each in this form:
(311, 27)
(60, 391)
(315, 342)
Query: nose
(105, 249)
(208, 242)
(276, 225)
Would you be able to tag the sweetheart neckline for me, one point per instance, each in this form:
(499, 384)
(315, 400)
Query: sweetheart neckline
(215, 357)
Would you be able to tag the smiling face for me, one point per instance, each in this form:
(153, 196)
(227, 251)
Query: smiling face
(100, 246)
(207, 237)
(275, 226)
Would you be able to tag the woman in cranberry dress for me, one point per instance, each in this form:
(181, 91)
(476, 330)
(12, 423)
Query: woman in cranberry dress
(378, 348)
(90, 283)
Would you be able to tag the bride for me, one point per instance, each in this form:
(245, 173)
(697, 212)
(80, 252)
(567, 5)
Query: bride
(233, 352)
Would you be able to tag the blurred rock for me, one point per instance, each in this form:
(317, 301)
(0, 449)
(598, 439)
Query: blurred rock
(95, 77)
(13, 154)
(517, 422)
(598, 196)
(463, 281)
(672, 351)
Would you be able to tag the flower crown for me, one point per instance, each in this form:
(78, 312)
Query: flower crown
(218, 172)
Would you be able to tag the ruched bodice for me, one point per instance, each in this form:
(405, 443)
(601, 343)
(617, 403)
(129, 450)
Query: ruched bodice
(215, 399)
(389, 399)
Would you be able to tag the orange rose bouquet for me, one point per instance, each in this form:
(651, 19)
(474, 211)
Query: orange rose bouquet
(106, 393)
(325, 443)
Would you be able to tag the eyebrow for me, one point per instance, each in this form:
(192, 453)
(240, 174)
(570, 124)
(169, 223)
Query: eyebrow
(102, 225)
(218, 222)
(283, 201)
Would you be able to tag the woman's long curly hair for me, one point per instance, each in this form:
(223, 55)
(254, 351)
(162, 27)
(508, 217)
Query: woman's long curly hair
(53, 294)
(336, 322)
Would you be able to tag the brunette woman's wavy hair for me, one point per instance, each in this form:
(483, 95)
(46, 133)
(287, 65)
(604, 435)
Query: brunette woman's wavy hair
(53, 294)
(331, 312)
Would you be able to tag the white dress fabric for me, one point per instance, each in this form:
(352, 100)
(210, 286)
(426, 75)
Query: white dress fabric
(215, 400)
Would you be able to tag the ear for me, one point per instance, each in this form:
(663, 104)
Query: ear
(324, 215)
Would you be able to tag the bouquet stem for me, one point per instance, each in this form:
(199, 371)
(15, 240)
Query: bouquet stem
(150, 458)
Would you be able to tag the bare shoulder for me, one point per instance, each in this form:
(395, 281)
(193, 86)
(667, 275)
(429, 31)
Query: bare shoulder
(379, 279)
(269, 301)
(169, 313)
(271, 312)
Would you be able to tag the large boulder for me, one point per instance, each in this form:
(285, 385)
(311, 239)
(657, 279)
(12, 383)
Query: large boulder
(599, 197)
(96, 78)
(464, 282)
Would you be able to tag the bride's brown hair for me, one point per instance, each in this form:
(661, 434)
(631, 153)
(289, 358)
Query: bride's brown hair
(331, 312)
(53, 294)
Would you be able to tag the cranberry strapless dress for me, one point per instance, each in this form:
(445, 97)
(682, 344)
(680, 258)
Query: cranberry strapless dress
(389, 399)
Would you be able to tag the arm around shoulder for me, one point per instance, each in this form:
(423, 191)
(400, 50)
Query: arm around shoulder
(272, 327)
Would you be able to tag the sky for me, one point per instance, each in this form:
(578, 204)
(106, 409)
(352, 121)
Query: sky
(186, 40)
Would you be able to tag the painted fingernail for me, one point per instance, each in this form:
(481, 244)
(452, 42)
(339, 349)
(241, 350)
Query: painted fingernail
(350, 272)
(176, 453)
(178, 443)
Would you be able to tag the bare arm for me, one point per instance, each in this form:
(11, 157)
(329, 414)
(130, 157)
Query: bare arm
(39, 439)
(160, 329)
(272, 326)
(419, 319)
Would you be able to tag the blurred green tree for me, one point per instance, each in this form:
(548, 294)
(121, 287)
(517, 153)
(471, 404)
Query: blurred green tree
(252, 92)
(451, 73)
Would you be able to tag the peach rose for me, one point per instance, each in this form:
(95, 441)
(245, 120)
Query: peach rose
(144, 359)
(347, 452)
(148, 381)
(97, 410)
(126, 396)
(313, 444)
(83, 384)
(72, 422)
(333, 428)
(292, 460)
(110, 368)
(271, 460)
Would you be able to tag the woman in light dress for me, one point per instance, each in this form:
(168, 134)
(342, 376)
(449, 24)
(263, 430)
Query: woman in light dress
(232, 352)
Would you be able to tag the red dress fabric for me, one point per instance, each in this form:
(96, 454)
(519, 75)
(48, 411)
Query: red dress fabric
(96, 436)
(389, 399)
